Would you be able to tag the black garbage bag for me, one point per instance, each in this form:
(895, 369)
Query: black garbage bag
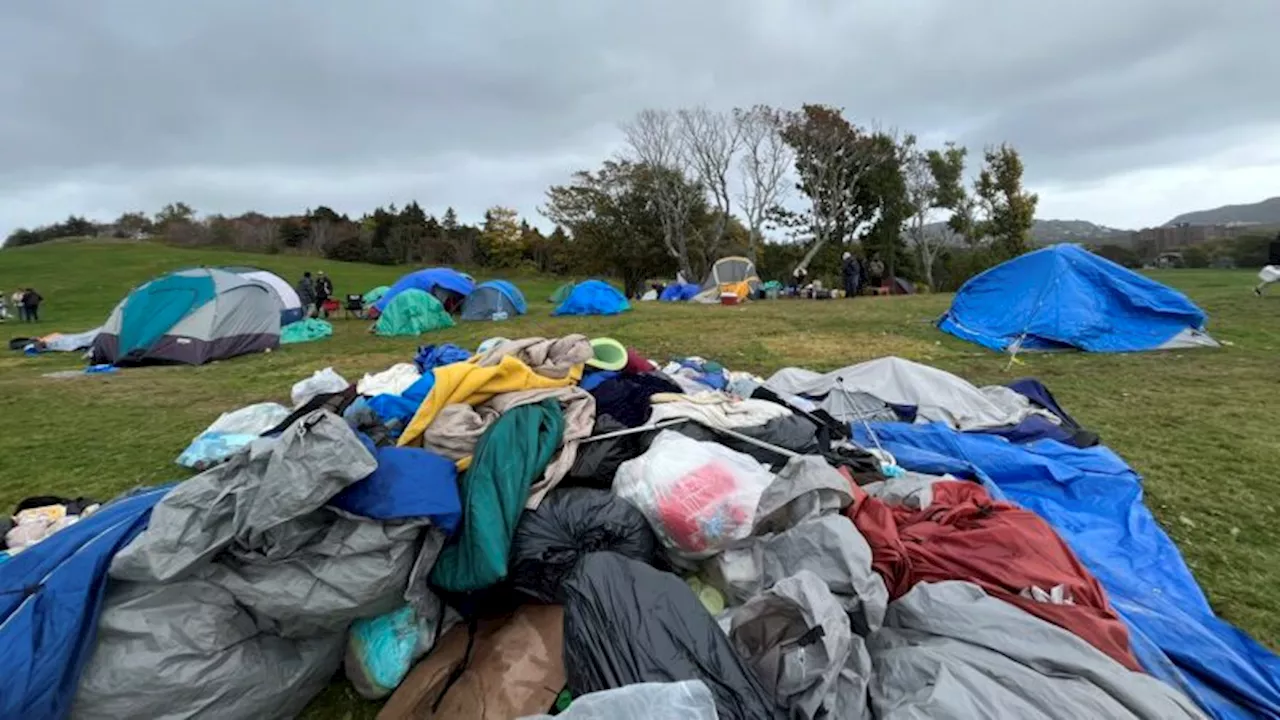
(626, 622)
(597, 461)
(570, 523)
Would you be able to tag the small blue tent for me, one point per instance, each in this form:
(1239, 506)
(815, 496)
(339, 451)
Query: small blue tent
(1064, 296)
(50, 597)
(448, 285)
(493, 297)
(679, 292)
(593, 297)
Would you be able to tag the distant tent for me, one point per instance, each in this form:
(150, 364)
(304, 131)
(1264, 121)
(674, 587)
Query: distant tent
(290, 304)
(730, 274)
(449, 286)
(593, 297)
(1064, 296)
(561, 293)
(375, 295)
(413, 312)
(679, 292)
(492, 298)
(900, 286)
(190, 316)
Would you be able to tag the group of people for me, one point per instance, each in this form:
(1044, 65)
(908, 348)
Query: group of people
(854, 275)
(26, 302)
(314, 293)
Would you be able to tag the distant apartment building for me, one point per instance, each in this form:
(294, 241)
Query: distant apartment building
(1151, 242)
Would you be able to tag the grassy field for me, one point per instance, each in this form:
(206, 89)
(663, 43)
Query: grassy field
(1199, 425)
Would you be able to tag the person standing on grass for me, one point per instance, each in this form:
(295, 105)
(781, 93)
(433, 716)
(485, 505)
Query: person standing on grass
(324, 291)
(1270, 273)
(850, 273)
(31, 304)
(17, 305)
(307, 293)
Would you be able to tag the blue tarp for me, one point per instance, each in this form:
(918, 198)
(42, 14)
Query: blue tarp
(593, 297)
(1094, 500)
(409, 483)
(428, 280)
(1064, 296)
(679, 292)
(50, 598)
(492, 297)
(430, 357)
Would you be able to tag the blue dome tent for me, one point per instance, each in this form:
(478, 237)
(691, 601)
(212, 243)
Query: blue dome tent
(449, 286)
(678, 292)
(1064, 296)
(492, 298)
(593, 297)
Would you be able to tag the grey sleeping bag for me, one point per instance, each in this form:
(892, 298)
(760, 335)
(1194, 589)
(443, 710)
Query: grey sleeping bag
(949, 650)
(235, 601)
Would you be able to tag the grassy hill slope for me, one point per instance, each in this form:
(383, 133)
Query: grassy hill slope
(1198, 424)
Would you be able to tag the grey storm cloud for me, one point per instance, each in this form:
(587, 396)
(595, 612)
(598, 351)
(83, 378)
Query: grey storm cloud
(233, 105)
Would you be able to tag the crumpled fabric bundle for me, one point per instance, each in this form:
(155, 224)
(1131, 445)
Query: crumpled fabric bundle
(456, 430)
(685, 700)
(307, 330)
(510, 455)
(715, 409)
(949, 650)
(828, 546)
(430, 357)
(999, 546)
(553, 358)
(797, 638)
(625, 398)
(392, 381)
(230, 433)
(626, 622)
(236, 599)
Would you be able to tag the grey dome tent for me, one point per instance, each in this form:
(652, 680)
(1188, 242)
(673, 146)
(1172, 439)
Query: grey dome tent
(190, 316)
(494, 299)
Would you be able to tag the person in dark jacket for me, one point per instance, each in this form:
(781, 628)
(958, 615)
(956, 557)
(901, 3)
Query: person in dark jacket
(324, 291)
(307, 293)
(31, 304)
(850, 273)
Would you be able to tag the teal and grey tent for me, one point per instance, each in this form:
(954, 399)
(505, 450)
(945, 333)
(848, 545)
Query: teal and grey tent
(190, 316)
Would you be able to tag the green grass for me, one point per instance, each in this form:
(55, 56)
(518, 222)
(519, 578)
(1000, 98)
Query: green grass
(1199, 425)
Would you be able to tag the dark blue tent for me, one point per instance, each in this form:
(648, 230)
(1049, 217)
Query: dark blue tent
(593, 297)
(493, 297)
(449, 286)
(679, 292)
(50, 597)
(1094, 500)
(1064, 296)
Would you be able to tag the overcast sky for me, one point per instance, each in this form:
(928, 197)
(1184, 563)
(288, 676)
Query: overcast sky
(1127, 112)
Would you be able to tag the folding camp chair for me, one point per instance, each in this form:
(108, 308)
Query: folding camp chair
(354, 307)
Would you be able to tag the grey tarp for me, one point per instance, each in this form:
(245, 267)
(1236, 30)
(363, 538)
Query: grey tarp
(937, 395)
(684, 700)
(805, 488)
(797, 638)
(948, 650)
(829, 547)
(235, 601)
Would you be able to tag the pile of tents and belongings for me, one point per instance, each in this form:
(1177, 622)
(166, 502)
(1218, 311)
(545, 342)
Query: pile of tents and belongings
(561, 527)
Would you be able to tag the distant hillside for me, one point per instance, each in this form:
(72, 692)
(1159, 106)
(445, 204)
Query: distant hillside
(1266, 212)
(1052, 232)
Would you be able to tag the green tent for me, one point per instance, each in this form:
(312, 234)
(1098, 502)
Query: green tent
(412, 312)
(561, 293)
(375, 294)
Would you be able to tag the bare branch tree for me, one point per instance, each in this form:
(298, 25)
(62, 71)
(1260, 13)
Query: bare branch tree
(655, 140)
(922, 199)
(711, 140)
(765, 161)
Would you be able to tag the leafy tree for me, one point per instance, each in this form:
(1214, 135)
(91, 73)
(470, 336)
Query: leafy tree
(833, 159)
(133, 224)
(174, 212)
(501, 237)
(292, 232)
(656, 142)
(1010, 210)
(885, 188)
(1195, 257)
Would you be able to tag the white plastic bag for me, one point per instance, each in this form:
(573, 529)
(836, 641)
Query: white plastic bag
(230, 433)
(322, 382)
(700, 497)
(684, 700)
(1269, 274)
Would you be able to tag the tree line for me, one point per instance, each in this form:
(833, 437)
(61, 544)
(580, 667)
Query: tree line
(783, 187)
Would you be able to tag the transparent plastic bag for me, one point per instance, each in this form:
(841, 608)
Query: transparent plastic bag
(700, 497)
(685, 700)
(322, 382)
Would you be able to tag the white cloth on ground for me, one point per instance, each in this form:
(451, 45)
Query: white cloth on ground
(392, 381)
(716, 409)
(1269, 274)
